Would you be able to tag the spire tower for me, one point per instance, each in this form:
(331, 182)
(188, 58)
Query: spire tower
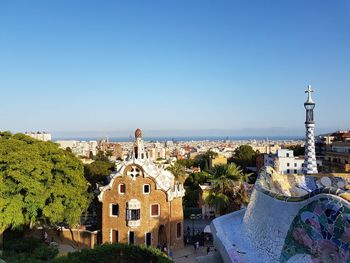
(310, 165)
(139, 149)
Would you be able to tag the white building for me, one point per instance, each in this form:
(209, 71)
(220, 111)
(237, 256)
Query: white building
(158, 151)
(79, 148)
(284, 162)
(42, 136)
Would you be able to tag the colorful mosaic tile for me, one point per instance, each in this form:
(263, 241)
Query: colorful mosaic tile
(322, 230)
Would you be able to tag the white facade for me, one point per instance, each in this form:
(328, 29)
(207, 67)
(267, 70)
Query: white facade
(284, 162)
(79, 148)
(42, 136)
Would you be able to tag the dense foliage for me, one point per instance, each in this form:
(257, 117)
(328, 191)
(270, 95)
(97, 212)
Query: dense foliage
(227, 191)
(39, 182)
(298, 150)
(98, 171)
(244, 156)
(116, 253)
(28, 250)
(179, 171)
(192, 187)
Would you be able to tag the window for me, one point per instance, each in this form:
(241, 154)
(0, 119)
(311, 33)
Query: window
(134, 214)
(295, 171)
(287, 154)
(178, 230)
(288, 171)
(287, 164)
(122, 189)
(114, 210)
(295, 164)
(155, 210)
(146, 188)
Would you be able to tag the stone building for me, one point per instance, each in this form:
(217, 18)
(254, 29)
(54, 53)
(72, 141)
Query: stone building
(142, 204)
(114, 149)
(335, 150)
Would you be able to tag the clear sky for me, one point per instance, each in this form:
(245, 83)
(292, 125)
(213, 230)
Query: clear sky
(173, 65)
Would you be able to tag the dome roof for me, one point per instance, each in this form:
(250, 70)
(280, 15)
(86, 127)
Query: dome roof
(138, 133)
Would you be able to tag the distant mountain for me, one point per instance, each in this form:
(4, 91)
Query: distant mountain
(248, 132)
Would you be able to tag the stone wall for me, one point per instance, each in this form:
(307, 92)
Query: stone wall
(77, 238)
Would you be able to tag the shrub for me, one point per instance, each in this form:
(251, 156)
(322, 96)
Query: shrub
(116, 253)
(28, 250)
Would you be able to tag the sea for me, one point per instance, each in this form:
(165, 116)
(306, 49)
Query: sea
(187, 139)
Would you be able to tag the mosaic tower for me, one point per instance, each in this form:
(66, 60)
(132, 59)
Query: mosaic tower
(310, 166)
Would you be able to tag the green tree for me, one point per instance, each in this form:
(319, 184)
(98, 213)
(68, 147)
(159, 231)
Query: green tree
(203, 159)
(39, 183)
(192, 187)
(101, 156)
(227, 192)
(297, 149)
(244, 156)
(97, 172)
(179, 171)
(188, 163)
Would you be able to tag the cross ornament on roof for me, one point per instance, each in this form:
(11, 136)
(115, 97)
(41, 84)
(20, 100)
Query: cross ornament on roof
(309, 91)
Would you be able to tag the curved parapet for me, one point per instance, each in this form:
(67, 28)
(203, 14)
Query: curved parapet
(321, 230)
(292, 218)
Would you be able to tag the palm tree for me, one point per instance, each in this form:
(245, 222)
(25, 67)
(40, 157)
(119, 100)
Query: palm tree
(227, 192)
(179, 172)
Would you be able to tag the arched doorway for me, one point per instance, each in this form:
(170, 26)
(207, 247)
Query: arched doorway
(162, 239)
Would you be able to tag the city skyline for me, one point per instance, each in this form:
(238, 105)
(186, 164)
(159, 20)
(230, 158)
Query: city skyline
(79, 67)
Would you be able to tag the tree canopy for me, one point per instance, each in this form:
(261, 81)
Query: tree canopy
(98, 171)
(245, 156)
(39, 182)
(179, 171)
(297, 149)
(227, 191)
(192, 187)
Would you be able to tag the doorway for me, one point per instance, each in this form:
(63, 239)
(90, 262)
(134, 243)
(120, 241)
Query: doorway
(162, 238)
(148, 239)
(131, 237)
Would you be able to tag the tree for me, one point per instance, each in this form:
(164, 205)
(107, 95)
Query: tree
(179, 171)
(39, 183)
(101, 156)
(188, 163)
(227, 192)
(97, 172)
(298, 150)
(192, 187)
(203, 160)
(244, 156)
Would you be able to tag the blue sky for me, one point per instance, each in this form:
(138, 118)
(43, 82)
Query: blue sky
(109, 66)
